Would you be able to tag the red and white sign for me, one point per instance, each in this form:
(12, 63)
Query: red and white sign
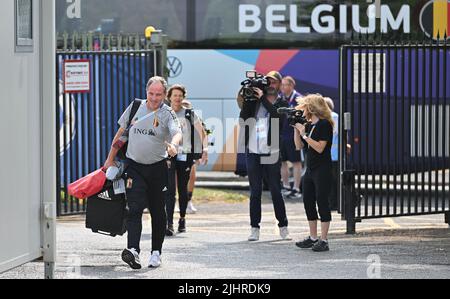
(77, 76)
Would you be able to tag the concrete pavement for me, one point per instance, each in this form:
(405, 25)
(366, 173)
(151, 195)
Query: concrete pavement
(215, 246)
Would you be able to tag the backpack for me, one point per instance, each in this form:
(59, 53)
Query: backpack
(122, 153)
(196, 140)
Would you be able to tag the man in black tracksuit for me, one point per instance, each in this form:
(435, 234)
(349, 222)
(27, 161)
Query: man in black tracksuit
(154, 135)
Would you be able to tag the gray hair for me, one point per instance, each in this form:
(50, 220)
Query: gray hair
(156, 79)
(330, 103)
(290, 80)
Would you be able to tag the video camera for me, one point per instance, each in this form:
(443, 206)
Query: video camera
(294, 116)
(254, 80)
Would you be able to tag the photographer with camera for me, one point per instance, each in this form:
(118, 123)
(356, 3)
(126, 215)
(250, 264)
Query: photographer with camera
(318, 138)
(288, 151)
(259, 112)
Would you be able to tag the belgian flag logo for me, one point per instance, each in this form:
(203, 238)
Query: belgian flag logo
(435, 18)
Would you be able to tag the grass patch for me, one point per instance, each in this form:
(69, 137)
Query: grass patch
(209, 195)
(200, 195)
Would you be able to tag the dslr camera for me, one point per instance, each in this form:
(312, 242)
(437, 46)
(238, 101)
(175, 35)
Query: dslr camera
(254, 80)
(294, 116)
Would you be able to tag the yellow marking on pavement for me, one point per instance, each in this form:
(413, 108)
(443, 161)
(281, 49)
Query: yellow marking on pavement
(271, 233)
(391, 223)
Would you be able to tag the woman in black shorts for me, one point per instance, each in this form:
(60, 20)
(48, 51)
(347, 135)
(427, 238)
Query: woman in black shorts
(318, 177)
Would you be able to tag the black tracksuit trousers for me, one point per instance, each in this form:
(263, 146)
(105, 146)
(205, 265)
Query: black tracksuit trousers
(146, 188)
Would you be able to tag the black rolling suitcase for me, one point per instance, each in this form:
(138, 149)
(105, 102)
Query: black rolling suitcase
(106, 212)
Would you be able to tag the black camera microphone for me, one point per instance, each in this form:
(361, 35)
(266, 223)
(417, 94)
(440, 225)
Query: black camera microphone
(286, 110)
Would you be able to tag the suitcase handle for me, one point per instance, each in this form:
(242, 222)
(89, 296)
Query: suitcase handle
(102, 233)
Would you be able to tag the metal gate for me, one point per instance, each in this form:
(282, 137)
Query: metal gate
(395, 129)
(87, 121)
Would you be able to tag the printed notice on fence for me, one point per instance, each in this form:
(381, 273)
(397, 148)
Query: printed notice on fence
(77, 76)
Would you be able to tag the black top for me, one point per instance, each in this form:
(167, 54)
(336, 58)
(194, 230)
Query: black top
(322, 131)
(250, 109)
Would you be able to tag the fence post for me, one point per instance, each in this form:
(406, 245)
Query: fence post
(102, 41)
(109, 42)
(164, 68)
(65, 37)
(90, 41)
(84, 41)
(137, 42)
(119, 42)
(349, 200)
(74, 41)
(126, 44)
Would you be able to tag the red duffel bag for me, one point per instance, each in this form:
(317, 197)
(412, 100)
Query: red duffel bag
(89, 185)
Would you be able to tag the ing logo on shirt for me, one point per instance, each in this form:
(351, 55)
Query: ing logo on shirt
(148, 132)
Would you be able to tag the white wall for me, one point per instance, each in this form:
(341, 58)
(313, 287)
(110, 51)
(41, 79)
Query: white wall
(21, 181)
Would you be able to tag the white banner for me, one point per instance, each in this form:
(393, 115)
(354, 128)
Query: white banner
(77, 76)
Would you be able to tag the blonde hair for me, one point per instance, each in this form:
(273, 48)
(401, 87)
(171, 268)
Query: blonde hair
(329, 102)
(315, 104)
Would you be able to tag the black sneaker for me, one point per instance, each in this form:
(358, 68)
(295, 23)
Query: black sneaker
(307, 243)
(182, 225)
(170, 231)
(131, 257)
(321, 246)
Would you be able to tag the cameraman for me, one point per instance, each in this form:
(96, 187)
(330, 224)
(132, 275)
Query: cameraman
(260, 112)
(317, 179)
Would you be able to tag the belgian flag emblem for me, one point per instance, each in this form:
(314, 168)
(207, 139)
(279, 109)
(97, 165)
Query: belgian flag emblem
(435, 18)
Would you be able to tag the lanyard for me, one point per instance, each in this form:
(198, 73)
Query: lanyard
(312, 130)
(147, 116)
(156, 120)
(292, 98)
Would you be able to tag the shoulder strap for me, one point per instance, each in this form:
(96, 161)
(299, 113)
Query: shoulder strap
(188, 114)
(134, 110)
(190, 117)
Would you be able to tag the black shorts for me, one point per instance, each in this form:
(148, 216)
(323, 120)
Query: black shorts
(317, 185)
(288, 152)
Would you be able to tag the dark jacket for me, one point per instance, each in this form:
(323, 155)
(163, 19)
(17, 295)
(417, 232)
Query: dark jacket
(250, 109)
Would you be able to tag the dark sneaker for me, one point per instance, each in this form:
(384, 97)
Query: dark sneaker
(306, 243)
(131, 257)
(170, 231)
(295, 194)
(321, 246)
(182, 225)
